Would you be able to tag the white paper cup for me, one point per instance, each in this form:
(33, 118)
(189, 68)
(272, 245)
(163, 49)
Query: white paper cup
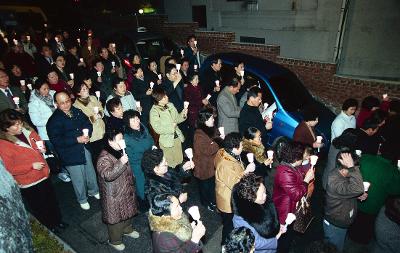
(195, 67)
(250, 157)
(40, 144)
(29, 86)
(56, 39)
(22, 82)
(217, 83)
(358, 152)
(85, 132)
(71, 75)
(46, 40)
(195, 43)
(122, 144)
(319, 139)
(189, 153)
(16, 100)
(186, 104)
(98, 73)
(313, 160)
(178, 66)
(15, 42)
(113, 45)
(182, 52)
(194, 212)
(96, 109)
(151, 85)
(78, 40)
(159, 76)
(28, 38)
(265, 106)
(221, 130)
(290, 218)
(137, 104)
(81, 59)
(384, 96)
(5, 40)
(113, 63)
(208, 97)
(398, 163)
(242, 73)
(366, 186)
(89, 48)
(97, 94)
(270, 154)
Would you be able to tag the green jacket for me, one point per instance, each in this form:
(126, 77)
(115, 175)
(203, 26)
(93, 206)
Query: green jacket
(162, 120)
(385, 181)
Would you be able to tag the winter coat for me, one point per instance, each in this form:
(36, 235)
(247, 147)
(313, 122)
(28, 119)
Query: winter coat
(228, 111)
(262, 220)
(6, 103)
(303, 134)
(117, 189)
(250, 116)
(289, 188)
(175, 94)
(172, 236)
(228, 171)
(139, 89)
(341, 123)
(137, 142)
(385, 181)
(99, 126)
(169, 183)
(162, 120)
(207, 81)
(193, 95)
(341, 197)
(204, 151)
(259, 157)
(19, 156)
(63, 131)
(40, 113)
(128, 101)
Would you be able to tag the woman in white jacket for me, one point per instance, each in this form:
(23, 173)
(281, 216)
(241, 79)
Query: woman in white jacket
(41, 107)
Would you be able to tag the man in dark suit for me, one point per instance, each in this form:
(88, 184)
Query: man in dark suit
(44, 61)
(11, 97)
(208, 81)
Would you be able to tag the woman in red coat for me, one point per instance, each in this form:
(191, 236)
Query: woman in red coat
(23, 158)
(290, 185)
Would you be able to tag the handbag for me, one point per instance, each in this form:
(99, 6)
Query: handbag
(303, 214)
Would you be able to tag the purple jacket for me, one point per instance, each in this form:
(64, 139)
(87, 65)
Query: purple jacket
(263, 245)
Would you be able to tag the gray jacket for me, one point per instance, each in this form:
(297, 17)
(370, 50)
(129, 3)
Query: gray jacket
(341, 197)
(228, 111)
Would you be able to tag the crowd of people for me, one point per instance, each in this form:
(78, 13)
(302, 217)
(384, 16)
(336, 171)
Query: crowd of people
(132, 136)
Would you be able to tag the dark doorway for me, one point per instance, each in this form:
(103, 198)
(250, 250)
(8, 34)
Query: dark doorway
(199, 15)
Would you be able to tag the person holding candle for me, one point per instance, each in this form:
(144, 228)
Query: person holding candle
(89, 52)
(24, 160)
(290, 185)
(72, 60)
(93, 109)
(164, 119)
(151, 75)
(252, 143)
(253, 209)
(344, 188)
(44, 61)
(304, 132)
(115, 120)
(142, 92)
(229, 170)
(58, 84)
(7, 93)
(191, 52)
(19, 79)
(114, 57)
(65, 129)
(173, 86)
(228, 109)
(127, 100)
(102, 80)
(345, 119)
(138, 140)
(160, 178)
(59, 68)
(116, 182)
(206, 144)
(211, 80)
(171, 229)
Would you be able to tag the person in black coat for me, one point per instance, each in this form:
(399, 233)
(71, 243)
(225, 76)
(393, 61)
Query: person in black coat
(250, 115)
(208, 78)
(44, 61)
(390, 132)
(69, 130)
(151, 73)
(191, 52)
(367, 139)
(162, 179)
(142, 92)
(72, 61)
(115, 121)
(173, 86)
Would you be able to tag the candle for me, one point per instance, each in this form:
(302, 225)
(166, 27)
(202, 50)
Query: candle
(217, 83)
(113, 63)
(97, 94)
(96, 110)
(182, 52)
(89, 48)
(16, 100)
(359, 152)
(56, 39)
(81, 59)
(221, 131)
(208, 97)
(384, 96)
(366, 186)
(71, 75)
(289, 219)
(22, 82)
(178, 66)
(270, 155)
(85, 132)
(265, 106)
(195, 67)
(29, 86)
(151, 85)
(250, 157)
(46, 40)
(122, 145)
(313, 160)
(186, 104)
(28, 38)
(242, 73)
(189, 153)
(194, 212)
(159, 76)
(195, 43)
(98, 73)
(319, 140)
(15, 42)
(40, 144)
(79, 40)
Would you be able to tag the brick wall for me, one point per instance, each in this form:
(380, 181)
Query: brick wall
(319, 77)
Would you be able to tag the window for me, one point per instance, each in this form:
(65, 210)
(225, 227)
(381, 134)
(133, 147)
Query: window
(199, 15)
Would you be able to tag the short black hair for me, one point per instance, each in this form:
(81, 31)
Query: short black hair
(160, 204)
(215, 61)
(9, 117)
(370, 102)
(204, 115)
(113, 103)
(250, 133)
(192, 36)
(116, 81)
(39, 83)
(236, 64)
(347, 139)
(253, 92)
(234, 82)
(151, 158)
(169, 67)
(355, 157)
(350, 102)
(231, 141)
(128, 115)
(370, 123)
(292, 151)
(184, 59)
(158, 94)
(110, 134)
(310, 113)
(240, 240)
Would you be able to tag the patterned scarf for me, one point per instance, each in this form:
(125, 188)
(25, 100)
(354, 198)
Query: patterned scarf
(47, 99)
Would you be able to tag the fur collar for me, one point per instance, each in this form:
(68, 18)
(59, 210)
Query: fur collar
(180, 228)
(263, 218)
(258, 151)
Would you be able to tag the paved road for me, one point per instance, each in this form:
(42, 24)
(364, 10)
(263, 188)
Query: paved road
(87, 234)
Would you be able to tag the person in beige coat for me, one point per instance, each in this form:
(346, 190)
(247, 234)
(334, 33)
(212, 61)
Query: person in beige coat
(93, 109)
(164, 119)
(229, 170)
